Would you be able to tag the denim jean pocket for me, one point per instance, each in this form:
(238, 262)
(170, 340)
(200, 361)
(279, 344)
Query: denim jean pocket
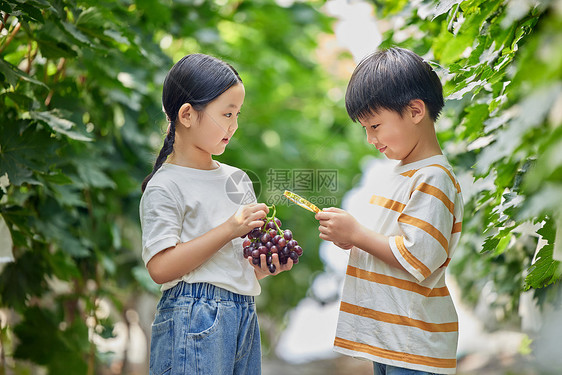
(204, 317)
(162, 347)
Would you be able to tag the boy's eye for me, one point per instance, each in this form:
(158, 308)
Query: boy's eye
(374, 126)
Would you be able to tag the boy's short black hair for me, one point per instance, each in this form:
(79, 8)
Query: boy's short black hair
(390, 79)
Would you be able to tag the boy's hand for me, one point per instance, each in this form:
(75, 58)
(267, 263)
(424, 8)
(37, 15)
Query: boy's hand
(262, 271)
(338, 226)
(345, 246)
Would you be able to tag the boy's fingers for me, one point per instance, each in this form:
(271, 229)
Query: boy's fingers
(323, 229)
(322, 215)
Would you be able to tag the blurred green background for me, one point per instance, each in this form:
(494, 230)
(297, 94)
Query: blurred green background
(81, 122)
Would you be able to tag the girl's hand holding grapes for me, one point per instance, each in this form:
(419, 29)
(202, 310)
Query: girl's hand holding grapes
(269, 248)
(262, 270)
(247, 218)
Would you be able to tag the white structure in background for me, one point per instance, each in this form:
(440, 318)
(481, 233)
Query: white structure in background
(356, 28)
(6, 243)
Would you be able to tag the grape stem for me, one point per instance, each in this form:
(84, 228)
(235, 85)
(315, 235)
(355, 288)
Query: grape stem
(272, 217)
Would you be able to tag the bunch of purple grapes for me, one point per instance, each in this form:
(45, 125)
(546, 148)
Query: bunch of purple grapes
(270, 239)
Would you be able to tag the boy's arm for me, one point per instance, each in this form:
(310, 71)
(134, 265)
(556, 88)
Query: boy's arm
(339, 226)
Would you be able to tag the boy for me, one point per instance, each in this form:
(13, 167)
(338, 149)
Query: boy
(396, 309)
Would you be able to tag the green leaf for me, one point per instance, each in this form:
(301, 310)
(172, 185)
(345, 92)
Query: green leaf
(31, 12)
(13, 74)
(75, 34)
(548, 230)
(473, 122)
(92, 175)
(41, 341)
(22, 153)
(58, 124)
(544, 270)
(444, 6)
(54, 49)
(22, 279)
(91, 18)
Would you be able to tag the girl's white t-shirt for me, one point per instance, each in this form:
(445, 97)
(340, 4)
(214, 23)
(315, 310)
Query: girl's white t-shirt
(180, 204)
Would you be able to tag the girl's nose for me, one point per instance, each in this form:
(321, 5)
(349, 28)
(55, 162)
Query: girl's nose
(233, 126)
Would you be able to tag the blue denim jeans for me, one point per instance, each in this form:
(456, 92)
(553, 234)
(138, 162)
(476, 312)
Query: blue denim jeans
(201, 329)
(381, 369)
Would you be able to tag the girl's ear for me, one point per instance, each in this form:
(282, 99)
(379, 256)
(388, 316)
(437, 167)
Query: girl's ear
(417, 110)
(186, 114)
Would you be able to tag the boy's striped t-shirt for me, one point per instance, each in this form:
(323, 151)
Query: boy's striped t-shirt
(396, 317)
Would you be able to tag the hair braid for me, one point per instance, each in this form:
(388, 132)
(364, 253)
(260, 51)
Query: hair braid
(166, 150)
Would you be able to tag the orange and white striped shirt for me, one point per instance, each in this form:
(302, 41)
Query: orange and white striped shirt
(388, 315)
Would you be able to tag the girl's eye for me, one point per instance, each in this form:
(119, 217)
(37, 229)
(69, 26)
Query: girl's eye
(229, 115)
(374, 127)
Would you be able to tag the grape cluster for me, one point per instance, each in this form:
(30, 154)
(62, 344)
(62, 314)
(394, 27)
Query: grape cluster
(270, 239)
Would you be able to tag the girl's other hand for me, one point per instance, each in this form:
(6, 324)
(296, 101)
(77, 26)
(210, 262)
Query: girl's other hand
(247, 218)
(263, 271)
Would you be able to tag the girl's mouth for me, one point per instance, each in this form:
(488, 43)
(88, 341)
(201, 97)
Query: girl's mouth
(226, 140)
(382, 149)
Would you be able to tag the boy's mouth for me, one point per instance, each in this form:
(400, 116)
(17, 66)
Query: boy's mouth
(382, 149)
(226, 140)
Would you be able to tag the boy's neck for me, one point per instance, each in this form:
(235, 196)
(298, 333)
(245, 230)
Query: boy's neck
(427, 145)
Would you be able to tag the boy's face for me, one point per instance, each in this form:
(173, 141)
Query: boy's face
(393, 135)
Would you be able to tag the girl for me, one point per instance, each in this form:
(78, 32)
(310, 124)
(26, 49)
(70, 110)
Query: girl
(192, 225)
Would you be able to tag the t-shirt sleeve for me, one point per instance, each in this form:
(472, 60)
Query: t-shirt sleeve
(426, 224)
(161, 219)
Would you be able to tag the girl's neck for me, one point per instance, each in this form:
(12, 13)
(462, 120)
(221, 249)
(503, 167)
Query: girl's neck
(206, 163)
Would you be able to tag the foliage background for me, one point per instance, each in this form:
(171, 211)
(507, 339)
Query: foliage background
(81, 120)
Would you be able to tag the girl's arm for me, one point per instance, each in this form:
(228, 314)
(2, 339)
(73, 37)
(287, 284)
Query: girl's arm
(174, 262)
(339, 226)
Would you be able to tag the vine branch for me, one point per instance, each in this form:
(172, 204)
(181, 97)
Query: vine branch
(10, 37)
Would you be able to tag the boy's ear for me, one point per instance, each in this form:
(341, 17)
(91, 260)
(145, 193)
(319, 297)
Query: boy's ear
(417, 110)
(186, 115)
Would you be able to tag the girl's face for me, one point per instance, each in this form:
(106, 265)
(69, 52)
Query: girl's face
(217, 123)
(393, 135)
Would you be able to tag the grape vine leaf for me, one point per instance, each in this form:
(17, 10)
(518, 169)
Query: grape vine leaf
(58, 124)
(544, 270)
